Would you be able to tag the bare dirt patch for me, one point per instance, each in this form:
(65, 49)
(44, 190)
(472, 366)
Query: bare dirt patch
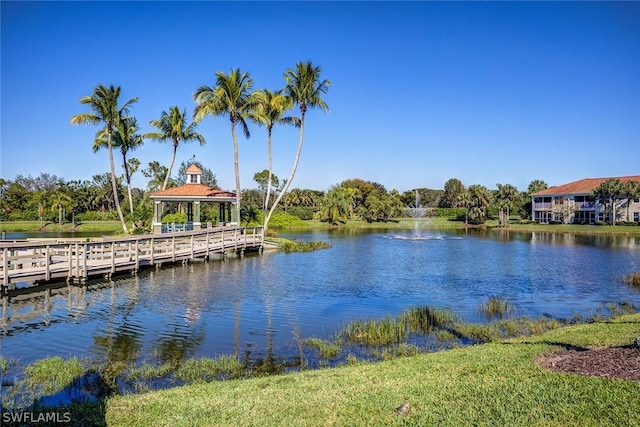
(610, 362)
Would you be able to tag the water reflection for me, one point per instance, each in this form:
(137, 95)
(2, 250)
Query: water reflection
(261, 307)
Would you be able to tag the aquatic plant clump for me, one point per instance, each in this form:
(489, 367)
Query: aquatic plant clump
(496, 307)
(290, 246)
(389, 330)
(632, 280)
(206, 369)
(327, 349)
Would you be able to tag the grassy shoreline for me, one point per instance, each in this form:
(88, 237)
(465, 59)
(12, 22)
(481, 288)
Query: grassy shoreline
(110, 227)
(491, 384)
(113, 227)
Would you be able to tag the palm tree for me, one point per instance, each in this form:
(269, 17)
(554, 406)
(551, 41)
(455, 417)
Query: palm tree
(173, 127)
(231, 97)
(61, 202)
(305, 88)
(126, 138)
(480, 200)
(464, 201)
(506, 198)
(269, 110)
(631, 190)
(338, 205)
(103, 104)
(606, 194)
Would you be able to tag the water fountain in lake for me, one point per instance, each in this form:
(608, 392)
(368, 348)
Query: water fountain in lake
(417, 213)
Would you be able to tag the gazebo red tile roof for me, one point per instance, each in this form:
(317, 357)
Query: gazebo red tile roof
(192, 190)
(583, 186)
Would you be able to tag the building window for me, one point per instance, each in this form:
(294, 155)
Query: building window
(636, 216)
(193, 179)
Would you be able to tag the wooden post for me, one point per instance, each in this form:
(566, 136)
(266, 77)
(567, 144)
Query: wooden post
(69, 275)
(173, 249)
(5, 266)
(47, 262)
(85, 255)
(113, 257)
(137, 259)
(151, 251)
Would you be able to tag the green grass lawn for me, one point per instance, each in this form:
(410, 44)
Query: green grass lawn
(35, 226)
(437, 223)
(492, 384)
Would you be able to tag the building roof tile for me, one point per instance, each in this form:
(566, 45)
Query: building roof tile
(583, 186)
(192, 190)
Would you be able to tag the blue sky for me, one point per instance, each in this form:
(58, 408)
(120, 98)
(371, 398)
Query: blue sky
(420, 92)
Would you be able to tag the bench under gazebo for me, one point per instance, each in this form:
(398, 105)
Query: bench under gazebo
(193, 193)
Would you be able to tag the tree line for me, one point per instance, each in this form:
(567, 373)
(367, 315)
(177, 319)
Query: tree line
(49, 198)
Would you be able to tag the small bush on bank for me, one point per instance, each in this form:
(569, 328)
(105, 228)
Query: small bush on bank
(450, 213)
(284, 220)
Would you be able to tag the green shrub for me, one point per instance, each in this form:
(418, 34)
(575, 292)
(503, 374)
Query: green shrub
(285, 220)
(451, 213)
(302, 212)
(179, 218)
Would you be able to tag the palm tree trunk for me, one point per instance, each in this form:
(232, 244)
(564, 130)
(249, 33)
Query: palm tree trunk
(236, 168)
(128, 178)
(114, 186)
(266, 200)
(173, 159)
(293, 172)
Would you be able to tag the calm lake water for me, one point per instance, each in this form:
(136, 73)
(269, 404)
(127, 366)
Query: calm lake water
(260, 304)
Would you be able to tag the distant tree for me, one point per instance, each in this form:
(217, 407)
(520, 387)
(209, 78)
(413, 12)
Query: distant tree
(231, 97)
(606, 194)
(41, 199)
(537, 185)
(252, 197)
(249, 214)
(362, 191)
(103, 104)
(630, 190)
(305, 87)
(173, 126)
(382, 207)
(338, 205)
(156, 174)
(506, 199)
(480, 199)
(452, 189)
(61, 203)
(269, 110)
(464, 201)
(266, 180)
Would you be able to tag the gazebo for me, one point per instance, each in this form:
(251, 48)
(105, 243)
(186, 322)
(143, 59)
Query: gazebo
(193, 193)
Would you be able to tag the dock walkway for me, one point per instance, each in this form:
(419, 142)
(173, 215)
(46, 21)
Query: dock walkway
(46, 260)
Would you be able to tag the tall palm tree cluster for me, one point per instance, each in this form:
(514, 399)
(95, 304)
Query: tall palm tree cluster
(232, 96)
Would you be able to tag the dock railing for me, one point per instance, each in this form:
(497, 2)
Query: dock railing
(78, 259)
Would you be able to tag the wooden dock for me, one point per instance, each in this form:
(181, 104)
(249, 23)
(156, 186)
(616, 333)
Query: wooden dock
(76, 260)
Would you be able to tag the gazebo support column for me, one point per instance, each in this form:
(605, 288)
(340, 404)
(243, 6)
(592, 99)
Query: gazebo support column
(157, 217)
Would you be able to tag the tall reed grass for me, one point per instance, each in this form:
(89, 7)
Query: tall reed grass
(632, 280)
(496, 307)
